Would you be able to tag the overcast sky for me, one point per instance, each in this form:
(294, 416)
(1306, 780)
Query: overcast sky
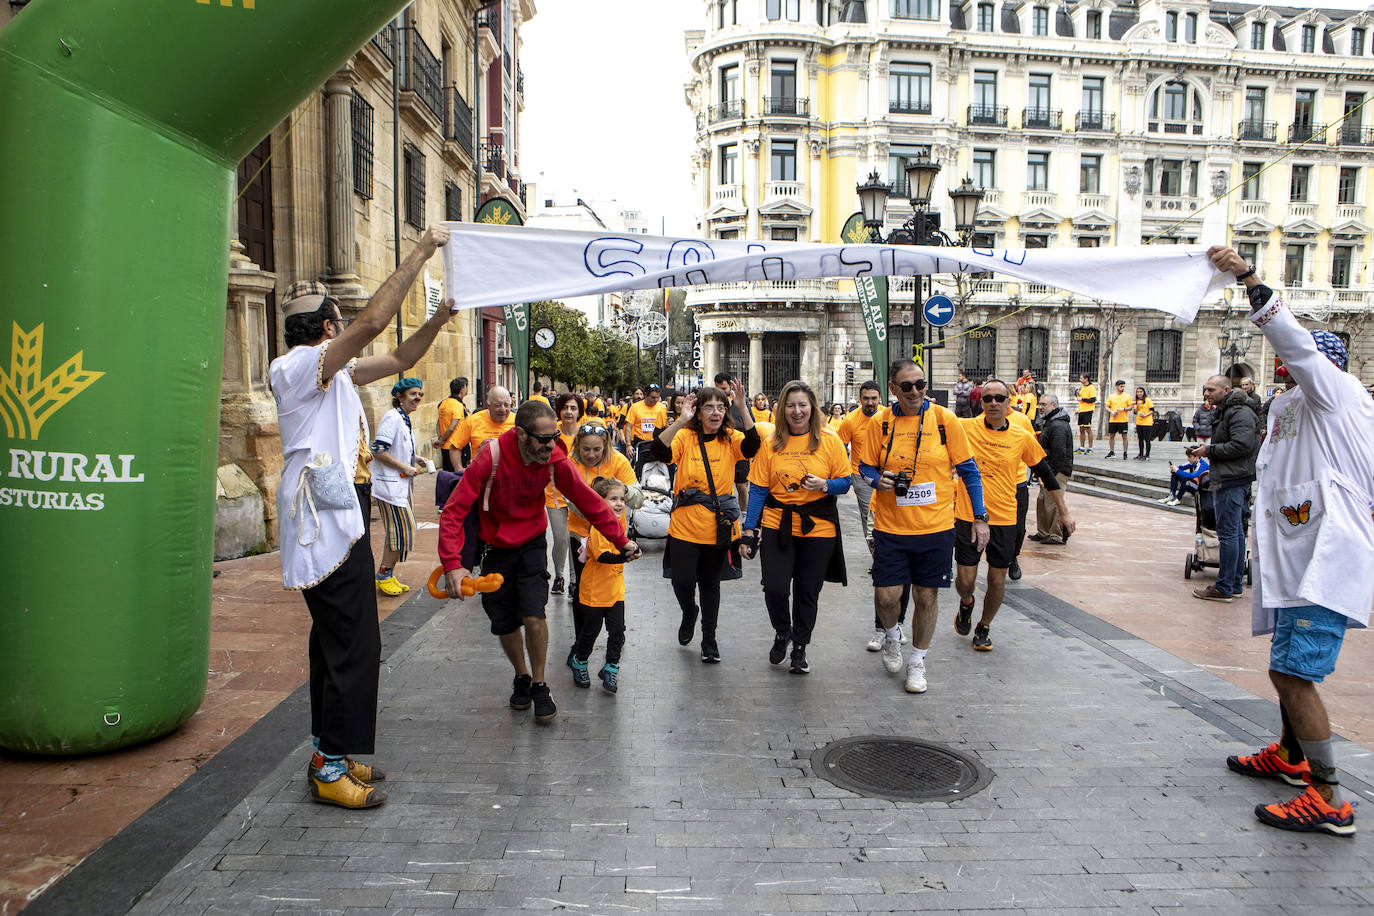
(605, 114)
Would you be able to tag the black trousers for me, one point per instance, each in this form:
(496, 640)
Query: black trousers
(798, 568)
(345, 655)
(901, 609)
(1143, 438)
(364, 491)
(574, 548)
(697, 569)
(592, 619)
(1022, 506)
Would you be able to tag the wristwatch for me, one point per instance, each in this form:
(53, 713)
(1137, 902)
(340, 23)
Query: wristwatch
(981, 518)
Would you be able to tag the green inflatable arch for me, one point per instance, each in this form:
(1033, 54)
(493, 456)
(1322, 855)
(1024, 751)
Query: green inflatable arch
(121, 125)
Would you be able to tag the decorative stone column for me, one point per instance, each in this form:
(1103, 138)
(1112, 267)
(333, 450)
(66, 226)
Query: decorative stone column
(710, 350)
(811, 361)
(343, 278)
(755, 361)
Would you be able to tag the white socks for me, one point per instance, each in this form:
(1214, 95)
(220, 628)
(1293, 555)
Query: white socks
(895, 633)
(917, 657)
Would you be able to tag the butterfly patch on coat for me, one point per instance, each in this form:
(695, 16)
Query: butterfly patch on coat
(1297, 515)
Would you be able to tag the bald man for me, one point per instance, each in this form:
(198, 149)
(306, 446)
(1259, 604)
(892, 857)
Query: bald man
(485, 424)
(1231, 454)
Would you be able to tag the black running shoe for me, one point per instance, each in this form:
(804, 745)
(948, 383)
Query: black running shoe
(544, 707)
(963, 618)
(982, 639)
(687, 629)
(799, 662)
(710, 654)
(779, 650)
(1014, 571)
(520, 692)
(558, 586)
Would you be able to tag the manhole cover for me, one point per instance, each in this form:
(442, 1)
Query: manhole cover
(900, 769)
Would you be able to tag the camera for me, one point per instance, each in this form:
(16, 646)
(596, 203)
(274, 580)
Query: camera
(901, 483)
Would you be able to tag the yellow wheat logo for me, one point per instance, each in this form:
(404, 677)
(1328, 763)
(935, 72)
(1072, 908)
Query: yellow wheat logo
(27, 398)
(499, 216)
(857, 234)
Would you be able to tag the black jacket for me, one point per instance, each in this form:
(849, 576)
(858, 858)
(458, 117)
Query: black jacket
(1056, 438)
(1235, 442)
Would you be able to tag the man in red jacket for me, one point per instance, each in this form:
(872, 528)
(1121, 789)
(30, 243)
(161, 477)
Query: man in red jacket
(512, 522)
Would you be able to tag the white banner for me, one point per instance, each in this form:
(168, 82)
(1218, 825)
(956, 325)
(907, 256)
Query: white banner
(496, 265)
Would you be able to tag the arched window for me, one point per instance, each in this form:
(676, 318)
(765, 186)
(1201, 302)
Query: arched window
(1033, 350)
(1163, 355)
(980, 353)
(1175, 108)
(1083, 353)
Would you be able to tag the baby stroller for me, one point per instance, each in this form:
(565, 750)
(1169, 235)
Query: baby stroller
(651, 519)
(1207, 546)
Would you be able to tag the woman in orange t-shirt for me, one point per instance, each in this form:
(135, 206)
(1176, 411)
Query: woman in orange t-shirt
(703, 528)
(568, 408)
(793, 483)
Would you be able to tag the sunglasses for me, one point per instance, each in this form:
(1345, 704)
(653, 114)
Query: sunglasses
(919, 385)
(989, 398)
(592, 429)
(542, 440)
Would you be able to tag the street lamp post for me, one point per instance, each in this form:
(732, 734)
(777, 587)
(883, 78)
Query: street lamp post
(923, 228)
(1233, 342)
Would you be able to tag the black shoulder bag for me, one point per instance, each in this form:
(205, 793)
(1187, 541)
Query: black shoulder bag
(725, 528)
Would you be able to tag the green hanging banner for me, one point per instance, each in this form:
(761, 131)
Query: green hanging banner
(114, 257)
(501, 212)
(872, 293)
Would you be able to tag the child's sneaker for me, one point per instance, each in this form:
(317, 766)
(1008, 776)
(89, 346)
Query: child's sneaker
(608, 674)
(580, 676)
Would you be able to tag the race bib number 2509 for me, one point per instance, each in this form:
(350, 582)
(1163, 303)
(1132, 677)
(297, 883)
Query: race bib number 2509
(918, 494)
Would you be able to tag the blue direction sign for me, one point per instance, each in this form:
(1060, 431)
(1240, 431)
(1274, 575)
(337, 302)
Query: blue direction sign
(938, 311)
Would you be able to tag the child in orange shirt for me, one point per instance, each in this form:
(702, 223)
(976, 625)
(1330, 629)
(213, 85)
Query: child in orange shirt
(601, 593)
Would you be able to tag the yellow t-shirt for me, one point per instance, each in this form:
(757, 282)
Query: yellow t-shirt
(642, 420)
(450, 409)
(552, 498)
(1144, 412)
(1118, 405)
(478, 428)
(928, 507)
(1024, 404)
(1002, 454)
(602, 584)
(851, 434)
(1087, 395)
(782, 472)
(1023, 421)
(834, 423)
(761, 416)
(617, 466)
(540, 397)
(697, 523)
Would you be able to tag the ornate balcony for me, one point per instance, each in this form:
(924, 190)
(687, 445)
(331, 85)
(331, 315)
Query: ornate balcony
(786, 106)
(1257, 131)
(727, 194)
(1095, 121)
(908, 106)
(1355, 135)
(987, 116)
(1042, 119)
(1258, 208)
(775, 189)
(1302, 131)
(1040, 199)
(730, 109)
(458, 120)
(1346, 212)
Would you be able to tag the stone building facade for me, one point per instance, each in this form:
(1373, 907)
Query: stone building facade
(1085, 123)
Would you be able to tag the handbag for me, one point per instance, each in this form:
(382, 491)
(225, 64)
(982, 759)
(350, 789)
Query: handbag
(725, 528)
(323, 484)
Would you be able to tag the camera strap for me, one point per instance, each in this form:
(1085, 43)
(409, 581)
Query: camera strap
(920, 428)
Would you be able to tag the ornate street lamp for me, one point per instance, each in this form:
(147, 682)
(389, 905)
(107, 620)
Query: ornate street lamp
(873, 201)
(920, 180)
(1233, 342)
(966, 199)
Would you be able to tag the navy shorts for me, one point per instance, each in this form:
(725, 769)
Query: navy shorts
(525, 591)
(924, 560)
(1306, 641)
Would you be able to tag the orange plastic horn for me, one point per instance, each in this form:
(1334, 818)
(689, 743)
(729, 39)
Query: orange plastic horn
(469, 586)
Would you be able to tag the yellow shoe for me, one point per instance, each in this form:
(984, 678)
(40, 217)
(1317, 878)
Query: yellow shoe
(346, 792)
(359, 771)
(389, 586)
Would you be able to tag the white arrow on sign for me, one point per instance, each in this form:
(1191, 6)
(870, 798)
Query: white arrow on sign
(938, 311)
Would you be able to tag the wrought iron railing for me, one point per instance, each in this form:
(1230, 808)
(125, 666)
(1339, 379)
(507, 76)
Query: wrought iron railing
(786, 105)
(1302, 131)
(1095, 120)
(361, 116)
(1355, 135)
(725, 111)
(908, 106)
(1264, 131)
(494, 155)
(989, 115)
(385, 40)
(1042, 118)
(458, 120)
(422, 73)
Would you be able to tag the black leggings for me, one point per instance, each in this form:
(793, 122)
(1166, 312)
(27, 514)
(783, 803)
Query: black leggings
(1022, 506)
(1143, 439)
(592, 618)
(697, 568)
(798, 568)
(574, 548)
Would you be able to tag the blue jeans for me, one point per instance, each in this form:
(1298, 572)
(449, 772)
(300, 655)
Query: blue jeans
(1230, 509)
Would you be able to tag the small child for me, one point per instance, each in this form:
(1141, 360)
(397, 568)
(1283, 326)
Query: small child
(601, 593)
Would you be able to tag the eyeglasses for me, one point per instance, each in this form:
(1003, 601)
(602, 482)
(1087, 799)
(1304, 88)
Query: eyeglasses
(592, 429)
(919, 385)
(341, 322)
(989, 398)
(542, 440)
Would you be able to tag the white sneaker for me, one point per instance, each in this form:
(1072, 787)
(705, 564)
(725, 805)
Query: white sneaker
(876, 643)
(916, 677)
(901, 634)
(892, 655)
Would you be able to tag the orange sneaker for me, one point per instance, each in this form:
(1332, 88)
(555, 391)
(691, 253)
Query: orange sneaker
(1270, 764)
(1309, 813)
(361, 771)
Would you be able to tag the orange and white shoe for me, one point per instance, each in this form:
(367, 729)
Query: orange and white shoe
(1271, 763)
(1308, 812)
